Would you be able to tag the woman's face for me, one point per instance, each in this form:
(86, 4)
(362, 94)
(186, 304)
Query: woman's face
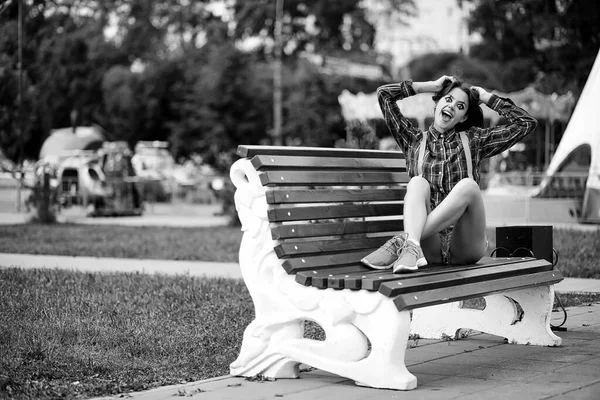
(450, 110)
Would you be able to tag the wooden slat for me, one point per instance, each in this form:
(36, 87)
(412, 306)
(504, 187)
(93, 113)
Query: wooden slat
(373, 282)
(290, 231)
(334, 211)
(472, 290)
(355, 281)
(305, 195)
(325, 178)
(251, 151)
(350, 280)
(431, 277)
(263, 162)
(295, 265)
(429, 282)
(317, 247)
(320, 278)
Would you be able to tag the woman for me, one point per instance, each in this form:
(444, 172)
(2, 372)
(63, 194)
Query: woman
(444, 215)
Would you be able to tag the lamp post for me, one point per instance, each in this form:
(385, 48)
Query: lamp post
(277, 72)
(20, 100)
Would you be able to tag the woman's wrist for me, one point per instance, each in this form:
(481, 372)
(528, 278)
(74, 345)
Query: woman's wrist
(485, 97)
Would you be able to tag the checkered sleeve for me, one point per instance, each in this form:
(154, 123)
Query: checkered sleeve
(499, 138)
(400, 127)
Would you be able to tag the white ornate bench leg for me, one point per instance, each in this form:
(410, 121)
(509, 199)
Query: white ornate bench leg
(388, 331)
(436, 322)
(534, 327)
(445, 320)
(500, 317)
(257, 357)
(258, 263)
(382, 367)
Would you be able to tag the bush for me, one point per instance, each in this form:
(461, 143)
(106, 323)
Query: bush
(225, 196)
(44, 197)
(359, 135)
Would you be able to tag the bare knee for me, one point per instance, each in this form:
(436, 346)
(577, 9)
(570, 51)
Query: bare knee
(467, 190)
(418, 183)
(467, 185)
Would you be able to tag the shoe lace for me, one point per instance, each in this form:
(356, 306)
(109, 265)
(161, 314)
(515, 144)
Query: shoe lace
(396, 243)
(409, 248)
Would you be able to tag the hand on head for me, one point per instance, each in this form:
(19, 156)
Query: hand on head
(443, 81)
(484, 95)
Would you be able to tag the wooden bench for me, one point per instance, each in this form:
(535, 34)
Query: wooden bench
(309, 215)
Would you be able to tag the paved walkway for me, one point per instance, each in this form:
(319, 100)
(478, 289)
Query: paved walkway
(112, 265)
(180, 215)
(479, 367)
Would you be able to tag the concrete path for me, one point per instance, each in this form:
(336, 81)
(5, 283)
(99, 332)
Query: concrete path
(112, 265)
(176, 215)
(478, 367)
(13, 218)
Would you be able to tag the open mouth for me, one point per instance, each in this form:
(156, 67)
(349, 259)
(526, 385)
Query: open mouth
(446, 115)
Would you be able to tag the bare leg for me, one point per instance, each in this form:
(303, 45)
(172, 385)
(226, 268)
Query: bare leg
(468, 243)
(417, 201)
(463, 207)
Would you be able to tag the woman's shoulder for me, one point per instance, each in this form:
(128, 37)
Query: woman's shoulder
(473, 134)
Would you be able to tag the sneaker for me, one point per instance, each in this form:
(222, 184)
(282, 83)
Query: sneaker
(384, 257)
(411, 258)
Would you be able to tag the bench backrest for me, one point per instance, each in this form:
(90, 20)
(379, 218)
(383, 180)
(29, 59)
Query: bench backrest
(328, 208)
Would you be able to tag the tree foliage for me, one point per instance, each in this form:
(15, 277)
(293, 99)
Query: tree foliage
(321, 25)
(173, 70)
(552, 43)
(476, 72)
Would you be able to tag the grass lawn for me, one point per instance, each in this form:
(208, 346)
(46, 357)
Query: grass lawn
(207, 244)
(70, 334)
(578, 251)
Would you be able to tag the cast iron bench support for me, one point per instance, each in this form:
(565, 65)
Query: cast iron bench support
(308, 216)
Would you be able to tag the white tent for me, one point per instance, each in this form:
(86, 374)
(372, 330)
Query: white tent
(67, 139)
(582, 134)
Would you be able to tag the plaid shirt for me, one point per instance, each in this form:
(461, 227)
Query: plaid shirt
(445, 163)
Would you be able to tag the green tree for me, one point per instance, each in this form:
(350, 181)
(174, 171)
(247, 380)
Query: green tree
(474, 71)
(321, 25)
(118, 86)
(551, 42)
(64, 59)
(311, 110)
(223, 103)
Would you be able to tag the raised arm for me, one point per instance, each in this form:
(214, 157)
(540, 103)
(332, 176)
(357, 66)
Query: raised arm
(401, 128)
(499, 138)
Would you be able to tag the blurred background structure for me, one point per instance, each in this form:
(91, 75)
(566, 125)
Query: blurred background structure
(173, 87)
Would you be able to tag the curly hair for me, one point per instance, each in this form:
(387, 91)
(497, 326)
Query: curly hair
(474, 111)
